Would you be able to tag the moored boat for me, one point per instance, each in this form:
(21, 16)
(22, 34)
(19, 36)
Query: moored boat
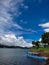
(36, 55)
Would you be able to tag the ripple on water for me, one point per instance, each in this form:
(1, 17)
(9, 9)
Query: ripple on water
(16, 57)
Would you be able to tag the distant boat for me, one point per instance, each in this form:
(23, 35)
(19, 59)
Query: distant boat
(36, 55)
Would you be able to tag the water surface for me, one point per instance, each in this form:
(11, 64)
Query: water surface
(16, 57)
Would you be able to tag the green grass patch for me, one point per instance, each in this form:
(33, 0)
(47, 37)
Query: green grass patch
(46, 50)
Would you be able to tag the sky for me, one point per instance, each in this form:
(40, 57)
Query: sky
(25, 19)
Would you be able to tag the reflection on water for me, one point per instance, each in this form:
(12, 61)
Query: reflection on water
(16, 57)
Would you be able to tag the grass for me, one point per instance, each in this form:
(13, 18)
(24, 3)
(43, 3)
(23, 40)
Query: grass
(46, 50)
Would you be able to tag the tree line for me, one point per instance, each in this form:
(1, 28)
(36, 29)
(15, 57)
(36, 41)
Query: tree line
(44, 39)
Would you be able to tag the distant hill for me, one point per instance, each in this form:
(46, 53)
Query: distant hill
(6, 46)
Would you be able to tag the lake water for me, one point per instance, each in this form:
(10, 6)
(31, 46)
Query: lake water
(16, 57)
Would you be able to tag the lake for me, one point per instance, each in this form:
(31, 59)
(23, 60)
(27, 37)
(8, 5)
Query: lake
(16, 57)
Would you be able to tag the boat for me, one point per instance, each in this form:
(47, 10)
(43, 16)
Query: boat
(36, 55)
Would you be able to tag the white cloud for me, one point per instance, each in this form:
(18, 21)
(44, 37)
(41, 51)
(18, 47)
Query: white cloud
(12, 40)
(44, 25)
(22, 4)
(30, 30)
(7, 36)
(23, 22)
(17, 26)
(26, 7)
(6, 18)
(46, 30)
(40, 39)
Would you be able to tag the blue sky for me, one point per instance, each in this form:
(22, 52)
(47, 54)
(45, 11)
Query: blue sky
(26, 18)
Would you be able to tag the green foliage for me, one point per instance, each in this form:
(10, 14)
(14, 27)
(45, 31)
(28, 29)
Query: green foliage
(36, 43)
(45, 37)
(46, 50)
(33, 42)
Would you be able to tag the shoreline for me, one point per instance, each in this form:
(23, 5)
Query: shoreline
(42, 52)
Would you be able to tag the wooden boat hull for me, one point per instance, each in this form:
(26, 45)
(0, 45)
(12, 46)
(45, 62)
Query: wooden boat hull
(36, 57)
(41, 58)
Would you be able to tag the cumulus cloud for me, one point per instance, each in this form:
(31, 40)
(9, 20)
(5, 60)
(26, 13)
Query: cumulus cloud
(40, 39)
(45, 26)
(9, 9)
(12, 40)
(46, 30)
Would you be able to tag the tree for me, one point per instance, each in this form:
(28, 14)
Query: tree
(45, 38)
(37, 44)
(33, 42)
